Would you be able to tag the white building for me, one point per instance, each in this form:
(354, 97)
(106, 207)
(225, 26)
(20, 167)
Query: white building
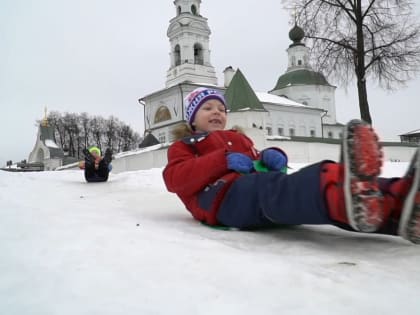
(189, 34)
(301, 84)
(302, 104)
(46, 151)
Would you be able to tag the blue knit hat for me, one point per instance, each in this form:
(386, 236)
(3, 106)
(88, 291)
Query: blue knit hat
(198, 97)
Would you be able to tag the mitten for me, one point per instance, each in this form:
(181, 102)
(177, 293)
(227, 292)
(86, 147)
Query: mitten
(82, 165)
(239, 162)
(275, 160)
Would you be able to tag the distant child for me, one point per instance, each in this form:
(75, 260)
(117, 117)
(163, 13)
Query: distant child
(223, 180)
(96, 167)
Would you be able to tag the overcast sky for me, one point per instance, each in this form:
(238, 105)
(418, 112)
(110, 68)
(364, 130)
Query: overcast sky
(101, 56)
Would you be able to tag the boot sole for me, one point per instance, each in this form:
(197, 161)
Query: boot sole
(409, 227)
(362, 165)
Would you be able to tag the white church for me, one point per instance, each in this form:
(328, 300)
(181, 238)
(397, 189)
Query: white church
(301, 104)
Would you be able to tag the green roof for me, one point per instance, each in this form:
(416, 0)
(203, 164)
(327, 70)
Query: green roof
(240, 95)
(301, 77)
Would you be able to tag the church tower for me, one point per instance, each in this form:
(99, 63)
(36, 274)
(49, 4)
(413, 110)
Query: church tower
(189, 34)
(46, 151)
(301, 83)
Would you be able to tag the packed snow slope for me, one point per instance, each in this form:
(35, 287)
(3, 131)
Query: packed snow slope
(129, 247)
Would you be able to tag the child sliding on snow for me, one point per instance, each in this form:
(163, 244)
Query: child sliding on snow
(214, 173)
(96, 167)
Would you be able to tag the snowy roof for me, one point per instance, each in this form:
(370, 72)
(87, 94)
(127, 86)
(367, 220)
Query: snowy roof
(51, 144)
(275, 99)
(411, 133)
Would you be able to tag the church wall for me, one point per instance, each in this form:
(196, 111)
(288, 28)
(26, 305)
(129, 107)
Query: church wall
(298, 152)
(52, 164)
(247, 119)
(281, 119)
(39, 153)
(315, 96)
(163, 108)
(333, 132)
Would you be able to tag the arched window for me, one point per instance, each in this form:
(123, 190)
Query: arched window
(194, 9)
(177, 55)
(198, 54)
(179, 10)
(330, 134)
(291, 132)
(162, 114)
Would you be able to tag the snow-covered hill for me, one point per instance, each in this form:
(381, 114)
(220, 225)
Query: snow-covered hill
(129, 247)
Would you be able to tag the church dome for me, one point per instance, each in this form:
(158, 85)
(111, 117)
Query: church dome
(301, 77)
(296, 35)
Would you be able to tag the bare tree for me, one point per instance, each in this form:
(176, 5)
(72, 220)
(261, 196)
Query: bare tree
(84, 121)
(97, 125)
(71, 127)
(379, 39)
(55, 120)
(111, 126)
(78, 131)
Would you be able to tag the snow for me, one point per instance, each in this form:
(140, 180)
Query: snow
(411, 132)
(129, 247)
(51, 144)
(275, 99)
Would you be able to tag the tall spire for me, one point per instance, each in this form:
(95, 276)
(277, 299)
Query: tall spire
(189, 35)
(44, 122)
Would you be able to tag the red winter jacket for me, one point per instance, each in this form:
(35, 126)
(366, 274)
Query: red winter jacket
(197, 170)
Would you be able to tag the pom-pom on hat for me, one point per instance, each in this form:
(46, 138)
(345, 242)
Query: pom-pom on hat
(95, 149)
(198, 97)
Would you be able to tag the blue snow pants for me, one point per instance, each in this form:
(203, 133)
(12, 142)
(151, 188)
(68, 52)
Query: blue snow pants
(267, 199)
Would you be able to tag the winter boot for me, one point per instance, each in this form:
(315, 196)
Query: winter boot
(351, 188)
(409, 223)
(108, 156)
(362, 160)
(89, 158)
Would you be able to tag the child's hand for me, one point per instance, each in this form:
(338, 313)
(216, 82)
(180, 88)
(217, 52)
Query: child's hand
(239, 162)
(273, 159)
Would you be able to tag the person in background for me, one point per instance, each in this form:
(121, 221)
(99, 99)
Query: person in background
(224, 181)
(96, 168)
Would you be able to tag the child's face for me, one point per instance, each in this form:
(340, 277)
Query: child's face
(94, 154)
(210, 116)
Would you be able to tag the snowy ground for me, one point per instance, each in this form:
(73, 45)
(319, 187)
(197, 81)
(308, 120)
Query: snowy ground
(129, 247)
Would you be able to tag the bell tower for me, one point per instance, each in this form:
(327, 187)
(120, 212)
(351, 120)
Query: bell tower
(188, 34)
